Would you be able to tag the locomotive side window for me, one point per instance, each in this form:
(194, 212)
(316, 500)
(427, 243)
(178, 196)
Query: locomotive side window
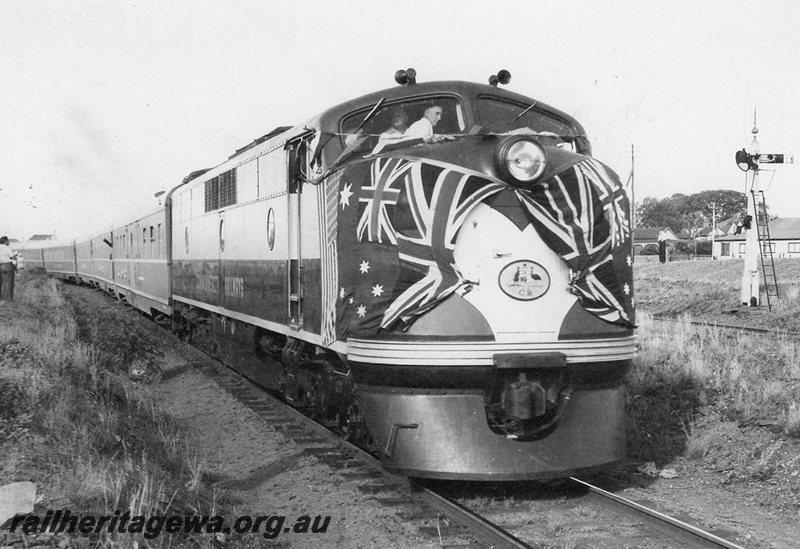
(271, 229)
(498, 115)
(384, 120)
(221, 236)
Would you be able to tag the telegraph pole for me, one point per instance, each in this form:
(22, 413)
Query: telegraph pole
(713, 227)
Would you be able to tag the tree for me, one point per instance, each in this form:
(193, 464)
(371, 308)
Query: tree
(659, 213)
(728, 203)
(693, 212)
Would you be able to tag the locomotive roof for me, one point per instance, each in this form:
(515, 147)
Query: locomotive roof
(329, 119)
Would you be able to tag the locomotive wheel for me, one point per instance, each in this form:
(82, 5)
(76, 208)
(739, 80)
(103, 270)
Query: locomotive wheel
(353, 428)
(269, 344)
(315, 401)
(162, 320)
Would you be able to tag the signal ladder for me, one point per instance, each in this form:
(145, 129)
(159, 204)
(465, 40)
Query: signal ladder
(765, 243)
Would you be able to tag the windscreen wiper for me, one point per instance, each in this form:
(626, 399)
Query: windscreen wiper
(356, 142)
(520, 115)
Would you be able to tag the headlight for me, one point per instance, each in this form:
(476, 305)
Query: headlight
(524, 160)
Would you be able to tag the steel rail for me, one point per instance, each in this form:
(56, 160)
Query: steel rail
(483, 529)
(682, 531)
(750, 329)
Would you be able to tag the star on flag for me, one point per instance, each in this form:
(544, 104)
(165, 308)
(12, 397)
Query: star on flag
(377, 290)
(364, 267)
(345, 195)
(362, 311)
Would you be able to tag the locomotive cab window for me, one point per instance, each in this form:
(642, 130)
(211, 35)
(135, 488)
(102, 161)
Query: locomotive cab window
(395, 119)
(502, 116)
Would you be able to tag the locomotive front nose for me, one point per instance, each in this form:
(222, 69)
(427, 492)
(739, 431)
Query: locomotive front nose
(521, 160)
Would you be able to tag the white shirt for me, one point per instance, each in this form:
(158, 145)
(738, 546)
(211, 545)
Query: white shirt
(421, 128)
(392, 135)
(7, 255)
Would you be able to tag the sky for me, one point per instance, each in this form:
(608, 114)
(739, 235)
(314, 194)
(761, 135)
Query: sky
(105, 103)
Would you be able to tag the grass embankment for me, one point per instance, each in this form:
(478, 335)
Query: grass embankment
(710, 290)
(684, 370)
(72, 421)
(696, 391)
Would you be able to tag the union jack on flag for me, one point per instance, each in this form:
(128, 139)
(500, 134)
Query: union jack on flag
(387, 177)
(396, 248)
(581, 214)
(429, 245)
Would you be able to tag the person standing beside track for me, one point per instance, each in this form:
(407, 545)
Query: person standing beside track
(8, 263)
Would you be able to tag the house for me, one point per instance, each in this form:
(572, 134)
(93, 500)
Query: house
(642, 236)
(784, 236)
(728, 226)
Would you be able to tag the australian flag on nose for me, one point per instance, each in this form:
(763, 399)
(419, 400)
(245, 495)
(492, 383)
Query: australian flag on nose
(398, 220)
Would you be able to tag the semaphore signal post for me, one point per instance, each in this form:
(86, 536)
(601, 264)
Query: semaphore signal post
(757, 238)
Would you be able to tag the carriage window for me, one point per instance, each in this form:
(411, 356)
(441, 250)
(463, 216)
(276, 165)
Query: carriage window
(497, 115)
(452, 120)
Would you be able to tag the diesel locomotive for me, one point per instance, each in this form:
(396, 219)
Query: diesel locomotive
(441, 269)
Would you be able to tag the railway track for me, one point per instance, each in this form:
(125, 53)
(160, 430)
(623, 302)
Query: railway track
(450, 520)
(446, 519)
(748, 329)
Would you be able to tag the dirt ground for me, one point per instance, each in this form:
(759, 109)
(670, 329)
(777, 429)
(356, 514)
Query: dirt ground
(247, 458)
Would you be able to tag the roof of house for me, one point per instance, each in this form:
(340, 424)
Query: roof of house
(651, 234)
(42, 237)
(782, 228)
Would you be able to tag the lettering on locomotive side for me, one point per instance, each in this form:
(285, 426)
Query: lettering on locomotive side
(234, 286)
(208, 283)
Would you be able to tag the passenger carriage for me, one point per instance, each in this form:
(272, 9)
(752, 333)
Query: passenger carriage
(59, 261)
(139, 265)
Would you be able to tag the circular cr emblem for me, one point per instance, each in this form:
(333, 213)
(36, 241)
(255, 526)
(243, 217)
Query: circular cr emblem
(524, 280)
